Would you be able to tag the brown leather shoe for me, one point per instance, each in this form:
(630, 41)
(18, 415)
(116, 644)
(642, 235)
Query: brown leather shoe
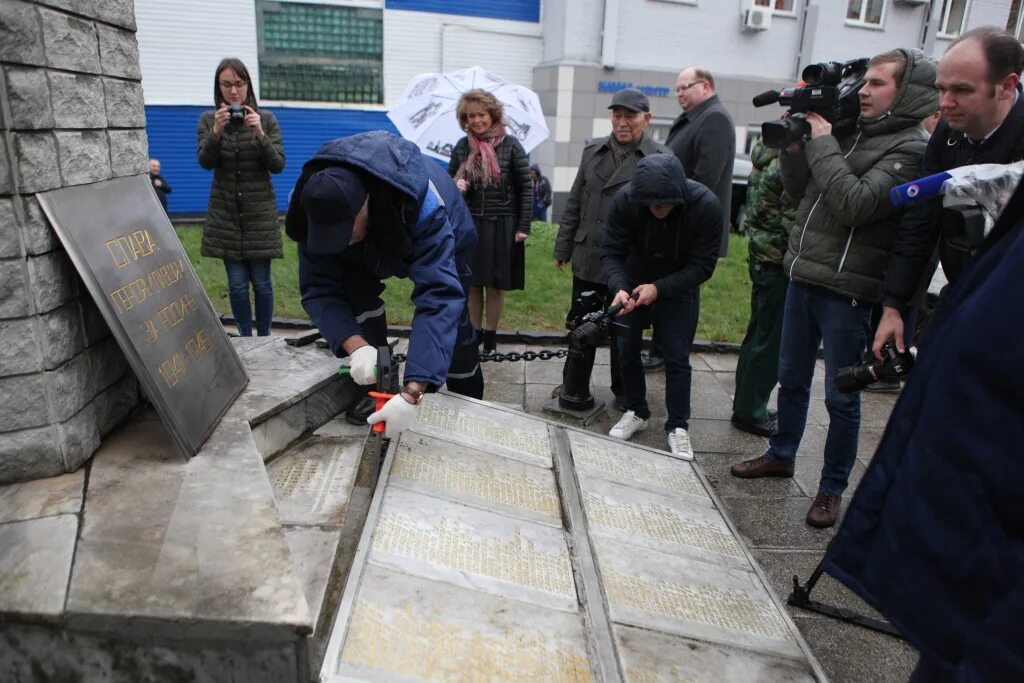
(824, 510)
(761, 467)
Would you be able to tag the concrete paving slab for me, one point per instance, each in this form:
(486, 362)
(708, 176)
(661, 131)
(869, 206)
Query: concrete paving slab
(693, 599)
(507, 371)
(662, 523)
(544, 371)
(42, 497)
(635, 467)
(720, 362)
(276, 431)
(35, 565)
(874, 409)
(508, 434)
(850, 654)
(163, 542)
(808, 474)
(477, 478)
(313, 480)
(650, 656)
(246, 345)
(313, 551)
(778, 522)
(708, 399)
(473, 548)
(719, 436)
(504, 392)
(412, 629)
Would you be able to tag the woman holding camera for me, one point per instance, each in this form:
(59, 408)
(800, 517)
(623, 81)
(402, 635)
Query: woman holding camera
(492, 171)
(242, 146)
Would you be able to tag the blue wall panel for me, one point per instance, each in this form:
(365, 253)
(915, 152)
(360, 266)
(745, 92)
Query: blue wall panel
(172, 140)
(515, 10)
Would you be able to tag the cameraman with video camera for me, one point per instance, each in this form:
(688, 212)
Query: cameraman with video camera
(836, 259)
(982, 123)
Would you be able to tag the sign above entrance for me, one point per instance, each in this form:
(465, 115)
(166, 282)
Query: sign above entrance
(649, 90)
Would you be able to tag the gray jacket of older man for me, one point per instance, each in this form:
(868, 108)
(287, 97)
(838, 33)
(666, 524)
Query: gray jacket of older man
(581, 228)
(845, 225)
(704, 139)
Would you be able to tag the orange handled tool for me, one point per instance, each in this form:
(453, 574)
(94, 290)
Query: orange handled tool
(379, 398)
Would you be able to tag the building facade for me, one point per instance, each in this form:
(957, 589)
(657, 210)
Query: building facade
(328, 68)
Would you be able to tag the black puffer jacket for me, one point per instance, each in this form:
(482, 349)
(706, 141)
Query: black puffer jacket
(241, 221)
(675, 254)
(513, 196)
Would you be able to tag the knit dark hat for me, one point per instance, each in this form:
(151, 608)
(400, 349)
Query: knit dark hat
(331, 199)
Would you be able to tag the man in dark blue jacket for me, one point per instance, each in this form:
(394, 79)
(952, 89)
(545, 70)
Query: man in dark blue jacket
(369, 207)
(934, 536)
(660, 243)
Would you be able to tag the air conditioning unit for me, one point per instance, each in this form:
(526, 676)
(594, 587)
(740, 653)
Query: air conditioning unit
(757, 18)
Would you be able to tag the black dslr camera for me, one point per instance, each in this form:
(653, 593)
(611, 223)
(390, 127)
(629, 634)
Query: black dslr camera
(831, 90)
(237, 113)
(894, 365)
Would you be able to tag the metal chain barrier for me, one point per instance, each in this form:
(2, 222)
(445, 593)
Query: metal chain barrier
(511, 356)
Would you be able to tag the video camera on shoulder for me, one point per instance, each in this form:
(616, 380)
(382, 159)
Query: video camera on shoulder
(831, 90)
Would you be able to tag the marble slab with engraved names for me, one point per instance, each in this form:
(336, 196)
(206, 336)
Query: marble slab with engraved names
(663, 523)
(480, 426)
(475, 477)
(648, 656)
(613, 460)
(313, 481)
(690, 598)
(414, 629)
(473, 548)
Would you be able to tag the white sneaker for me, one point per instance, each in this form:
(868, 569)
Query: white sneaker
(628, 425)
(679, 443)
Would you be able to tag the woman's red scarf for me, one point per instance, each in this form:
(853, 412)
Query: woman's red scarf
(481, 166)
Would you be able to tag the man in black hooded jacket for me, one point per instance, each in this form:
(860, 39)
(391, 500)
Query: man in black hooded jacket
(660, 243)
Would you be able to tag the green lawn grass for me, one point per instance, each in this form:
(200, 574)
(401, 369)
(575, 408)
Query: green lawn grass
(725, 299)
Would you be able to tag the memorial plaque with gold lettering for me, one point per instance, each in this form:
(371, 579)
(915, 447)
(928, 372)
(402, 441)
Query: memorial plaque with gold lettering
(129, 257)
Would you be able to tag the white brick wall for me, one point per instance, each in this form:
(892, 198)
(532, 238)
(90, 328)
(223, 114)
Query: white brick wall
(181, 43)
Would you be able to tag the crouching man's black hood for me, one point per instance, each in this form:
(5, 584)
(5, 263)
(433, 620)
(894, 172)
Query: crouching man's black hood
(659, 181)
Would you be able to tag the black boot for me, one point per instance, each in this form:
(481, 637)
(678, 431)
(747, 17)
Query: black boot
(490, 343)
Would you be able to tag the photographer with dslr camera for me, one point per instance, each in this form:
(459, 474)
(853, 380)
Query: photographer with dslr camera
(836, 259)
(242, 146)
(982, 123)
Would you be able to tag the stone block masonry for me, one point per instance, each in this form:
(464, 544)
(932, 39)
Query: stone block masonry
(71, 113)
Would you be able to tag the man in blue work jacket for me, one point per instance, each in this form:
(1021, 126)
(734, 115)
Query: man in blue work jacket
(368, 207)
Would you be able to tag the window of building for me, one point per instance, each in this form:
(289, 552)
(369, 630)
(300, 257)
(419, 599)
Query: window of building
(1013, 22)
(954, 12)
(867, 12)
(320, 52)
(780, 6)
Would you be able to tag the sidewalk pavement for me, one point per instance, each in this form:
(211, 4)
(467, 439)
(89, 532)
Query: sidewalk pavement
(768, 512)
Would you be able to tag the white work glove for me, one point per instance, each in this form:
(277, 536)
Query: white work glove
(397, 413)
(363, 365)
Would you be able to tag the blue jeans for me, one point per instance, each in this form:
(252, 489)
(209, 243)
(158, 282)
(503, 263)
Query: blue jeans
(675, 323)
(240, 274)
(814, 315)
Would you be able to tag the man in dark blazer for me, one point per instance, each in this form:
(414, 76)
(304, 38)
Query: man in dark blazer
(704, 139)
(608, 164)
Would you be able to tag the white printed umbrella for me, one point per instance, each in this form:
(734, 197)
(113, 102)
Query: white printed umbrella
(426, 112)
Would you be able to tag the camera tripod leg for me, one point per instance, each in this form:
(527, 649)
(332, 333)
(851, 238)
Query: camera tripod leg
(801, 598)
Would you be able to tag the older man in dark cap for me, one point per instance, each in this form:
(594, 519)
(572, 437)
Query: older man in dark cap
(607, 165)
(369, 207)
